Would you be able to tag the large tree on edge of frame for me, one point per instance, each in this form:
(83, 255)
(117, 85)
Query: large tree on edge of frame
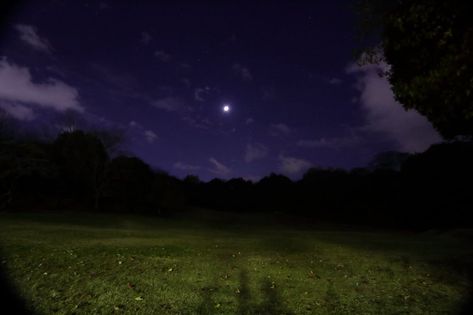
(429, 47)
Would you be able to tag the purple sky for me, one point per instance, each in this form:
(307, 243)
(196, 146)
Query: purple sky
(162, 72)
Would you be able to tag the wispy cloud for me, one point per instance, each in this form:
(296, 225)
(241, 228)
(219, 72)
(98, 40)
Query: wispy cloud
(29, 35)
(242, 71)
(104, 5)
(170, 104)
(18, 111)
(201, 93)
(119, 82)
(218, 168)
(186, 167)
(146, 38)
(197, 94)
(163, 56)
(292, 166)
(279, 129)
(332, 143)
(150, 136)
(249, 120)
(268, 93)
(335, 81)
(134, 124)
(187, 113)
(17, 86)
(255, 152)
(384, 114)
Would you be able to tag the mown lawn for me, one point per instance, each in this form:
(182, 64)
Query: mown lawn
(102, 264)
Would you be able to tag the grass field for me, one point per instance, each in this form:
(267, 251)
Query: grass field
(102, 264)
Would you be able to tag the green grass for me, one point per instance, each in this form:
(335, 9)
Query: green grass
(102, 264)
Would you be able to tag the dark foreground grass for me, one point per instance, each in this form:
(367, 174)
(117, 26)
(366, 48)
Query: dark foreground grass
(103, 264)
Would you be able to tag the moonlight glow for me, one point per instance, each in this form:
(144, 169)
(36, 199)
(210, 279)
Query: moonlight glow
(226, 108)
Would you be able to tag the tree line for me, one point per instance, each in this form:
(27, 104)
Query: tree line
(77, 171)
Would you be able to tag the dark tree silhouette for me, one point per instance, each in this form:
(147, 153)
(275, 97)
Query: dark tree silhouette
(431, 189)
(127, 184)
(438, 183)
(81, 158)
(112, 140)
(167, 194)
(26, 173)
(390, 160)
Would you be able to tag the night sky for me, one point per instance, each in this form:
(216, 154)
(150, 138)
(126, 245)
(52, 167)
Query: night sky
(163, 71)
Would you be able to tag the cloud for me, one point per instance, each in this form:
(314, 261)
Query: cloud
(279, 129)
(134, 124)
(187, 113)
(104, 6)
(255, 152)
(170, 104)
(17, 86)
(150, 136)
(18, 111)
(335, 81)
(242, 71)
(331, 143)
(384, 114)
(218, 168)
(292, 166)
(185, 66)
(197, 121)
(122, 82)
(29, 35)
(146, 38)
(197, 94)
(249, 120)
(186, 167)
(163, 56)
(186, 82)
(268, 93)
(201, 93)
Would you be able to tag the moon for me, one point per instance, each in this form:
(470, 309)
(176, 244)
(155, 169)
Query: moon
(226, 108)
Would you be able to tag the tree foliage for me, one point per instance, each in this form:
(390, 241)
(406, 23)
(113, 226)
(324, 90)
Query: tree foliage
(74, 173)
(127, 183)
(81, 158)
(428, 46)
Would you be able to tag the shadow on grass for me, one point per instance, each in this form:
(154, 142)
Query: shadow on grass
(11, 302)
(207, 306)
(448, 260)
(271, 304)
(244, 297)
(465, 268)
